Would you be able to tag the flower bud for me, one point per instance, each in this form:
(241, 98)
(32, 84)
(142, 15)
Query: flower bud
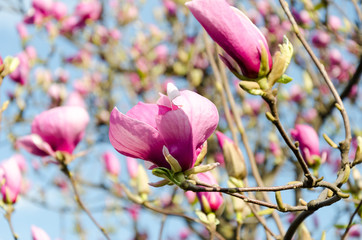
(234, 160)
(39, 234)
(308, 142)
(111, 163)
(210, 201)
(247, 52)
(10, 180)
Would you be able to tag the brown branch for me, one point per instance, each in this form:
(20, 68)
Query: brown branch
(270, 99)
(7, 216)
(66, 171)
(353, 81)
(344, 236)
(345, 145)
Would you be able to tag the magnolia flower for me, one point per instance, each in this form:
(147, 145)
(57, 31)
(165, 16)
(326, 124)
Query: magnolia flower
(236, 34)
(57, 129)
(111, 162)
(321, 39)
(178, 124)
(308, 142)
(39, 234)
(210, 201)
(88, 10)
(59, 10)
(10, 176)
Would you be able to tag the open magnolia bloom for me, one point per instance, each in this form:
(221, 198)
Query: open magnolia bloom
(57, 129)
(178, 124)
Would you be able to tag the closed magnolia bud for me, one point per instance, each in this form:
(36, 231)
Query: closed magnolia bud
(39, 234)
(308, 143)
(111, 163)
(210, 201)
(10, 180)
(234, 160)
(244, 44)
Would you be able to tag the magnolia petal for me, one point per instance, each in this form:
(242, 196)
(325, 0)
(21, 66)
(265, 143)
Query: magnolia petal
(145, 112)
(35, 145)
(202, 113)
(176, 130)
(137, 139)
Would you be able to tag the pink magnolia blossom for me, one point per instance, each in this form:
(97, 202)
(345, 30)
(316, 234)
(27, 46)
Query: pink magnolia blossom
(334, 23)
(59, 10)
(88, 10)
(10, 174)
(57, 129)
(43, 6)
(210, 201)
(111, 162)
(70, 24)
(235, 33)
(21, 73)
(170, 7)
(180, 122)
(38, 233)
(190, 196)
(132, 167)
(75, 99)
(321, 39)
(335, 56)
(308, 141)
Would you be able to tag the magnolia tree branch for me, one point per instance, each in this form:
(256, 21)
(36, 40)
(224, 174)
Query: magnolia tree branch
(345, 234)
(221, 85)
(271, 100)
(65, 170)
(8, 215)
(353, 81)
(344, 146)
(313, 206)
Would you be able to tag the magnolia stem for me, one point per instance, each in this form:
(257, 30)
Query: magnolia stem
(270, 99)
(345, 234)
(8, 219)
(261, 220)
(66, 171)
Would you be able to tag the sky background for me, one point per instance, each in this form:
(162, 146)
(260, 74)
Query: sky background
(29, 213)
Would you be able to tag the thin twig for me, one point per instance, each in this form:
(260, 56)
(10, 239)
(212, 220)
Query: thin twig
(270, 99)
(66, 171)
(219, 88)
(345, 145)
(344, 236)
(352, 82)
(163, 221)
(261, 220)
(8, 219)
